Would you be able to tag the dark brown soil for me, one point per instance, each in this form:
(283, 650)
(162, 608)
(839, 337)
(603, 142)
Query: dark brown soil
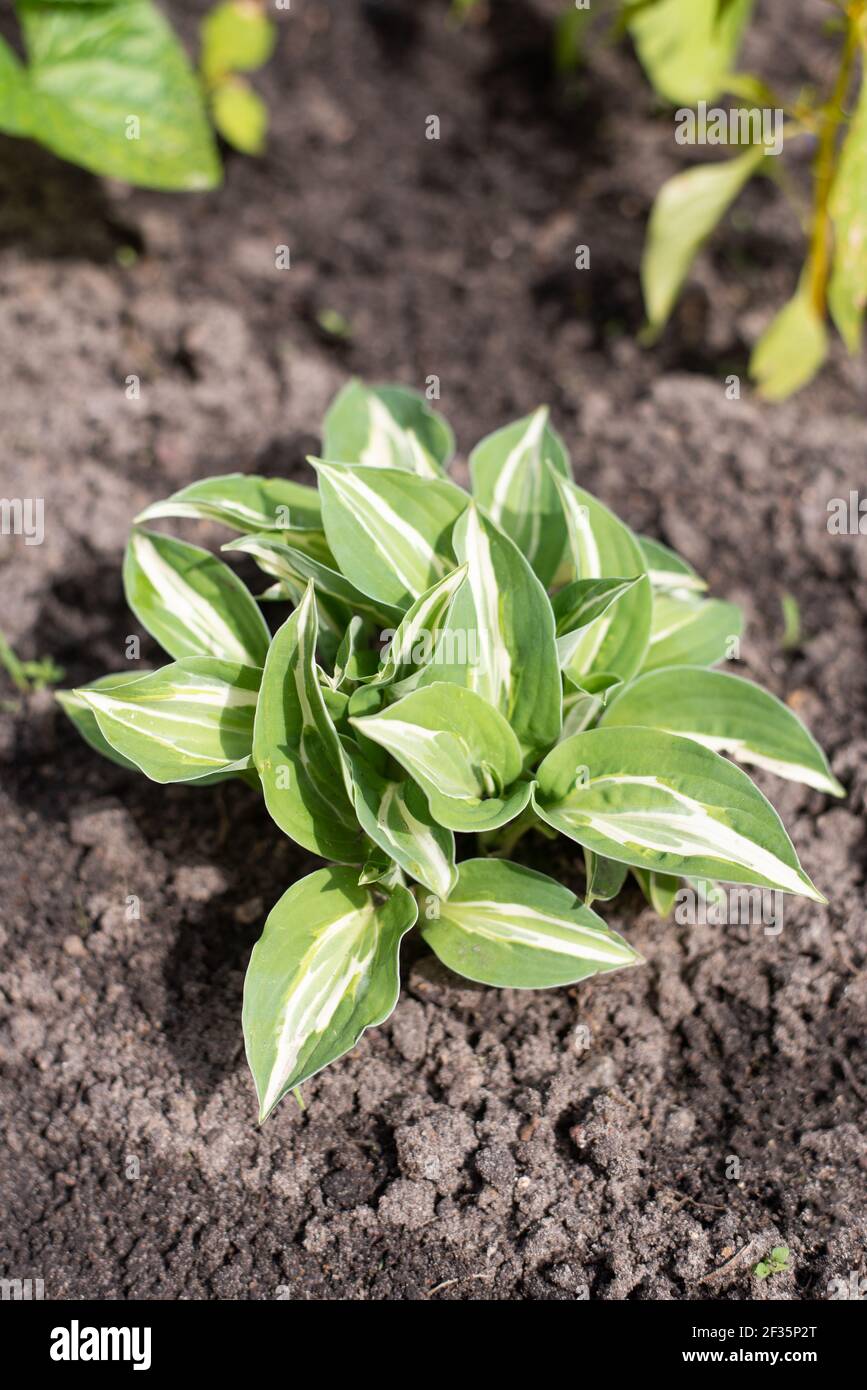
(469, 1149)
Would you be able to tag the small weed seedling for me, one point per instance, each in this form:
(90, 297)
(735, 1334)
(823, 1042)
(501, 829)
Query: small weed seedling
(778, 1262)
(27, 676)
(480, 663)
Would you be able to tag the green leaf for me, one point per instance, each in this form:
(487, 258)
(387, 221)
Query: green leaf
(191, 603)
(244, 502)
(94, 67)
(386, 427)
(602, 547)
(459, 749)
(584, 702)
(237, 36)
(297, 750)
(688, 47)
(413, 643)
(847, 291)
(658, 801)
(579, 611)
(691, 631)
(183, 722)
(727, 714)
(389, 529)
(605, 877)
(507, 926)
(396, 817)
(336, 598)
(667, 570)
(660, 890)
(16, 102)
(791, 350)
(686, 211)
(499, 636)
(240, 115)
(324, 970)
(354, 661)
(81, 714)
(512, 479)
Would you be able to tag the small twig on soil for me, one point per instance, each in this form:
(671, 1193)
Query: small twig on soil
(447, 1283)
(736, 1259)
(693, 1202)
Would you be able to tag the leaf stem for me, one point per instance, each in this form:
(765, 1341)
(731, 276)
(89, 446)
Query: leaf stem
(497, 844)
(825, 167)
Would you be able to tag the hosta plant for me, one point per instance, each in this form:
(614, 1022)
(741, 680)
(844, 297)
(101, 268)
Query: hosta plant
(458, 668)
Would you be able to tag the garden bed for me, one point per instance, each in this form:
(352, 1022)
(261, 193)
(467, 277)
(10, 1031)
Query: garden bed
(472, 1147)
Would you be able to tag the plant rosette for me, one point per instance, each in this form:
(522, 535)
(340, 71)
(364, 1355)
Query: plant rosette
(455, 664)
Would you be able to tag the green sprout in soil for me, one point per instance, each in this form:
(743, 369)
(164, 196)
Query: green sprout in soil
(460, 669)
(28, 676)
(334, 324)
(791, 638)
(778, 1262)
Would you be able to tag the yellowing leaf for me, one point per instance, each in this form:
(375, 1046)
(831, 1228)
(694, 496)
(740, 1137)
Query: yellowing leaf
(240, 115)
(687, 47)
(847, 292)
(791, 350)
(237, 36)
(687, 209)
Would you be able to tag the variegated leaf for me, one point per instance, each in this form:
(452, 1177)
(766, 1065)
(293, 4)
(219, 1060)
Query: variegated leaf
(603, 548)
(387, 427)
(583, 703)
(390, 530)
(499, 638)
(245, 502)
(580, 613)
(691, 631)
(192, 603)
(182, 723)
(512, 479)
(727, 714)
(296, 748)
(413, 643)
(459, 749)
(324, 970)
(396, 817)
(336, 598)
(659, 801)
(667, 570)
(508, 926)
(81, 714)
